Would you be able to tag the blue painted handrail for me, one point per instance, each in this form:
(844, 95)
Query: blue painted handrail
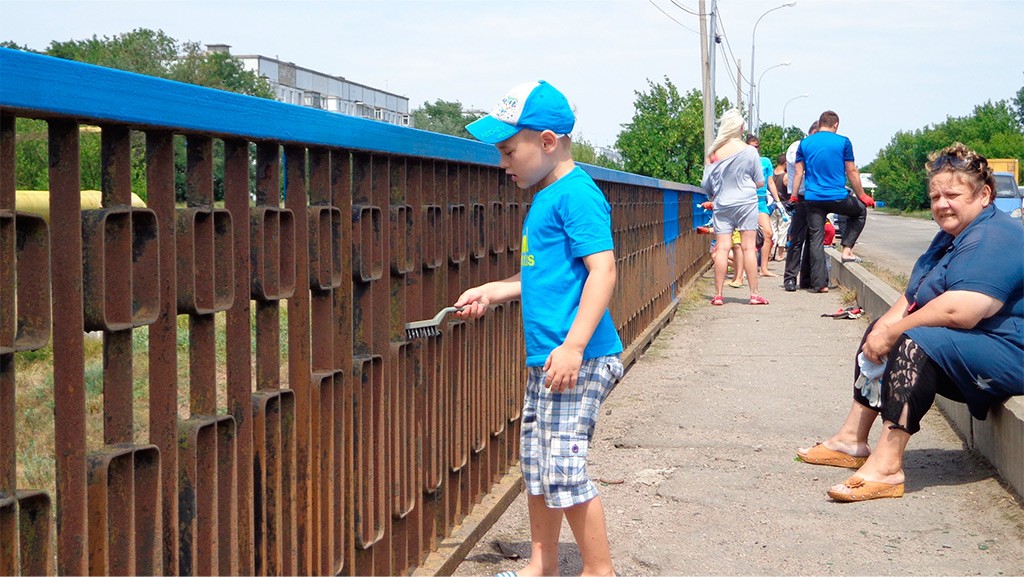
(47, 86)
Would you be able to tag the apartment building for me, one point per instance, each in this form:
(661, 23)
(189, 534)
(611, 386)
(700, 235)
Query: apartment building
(305, 87)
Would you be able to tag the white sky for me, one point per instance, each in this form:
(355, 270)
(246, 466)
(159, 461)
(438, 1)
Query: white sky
(883, 65)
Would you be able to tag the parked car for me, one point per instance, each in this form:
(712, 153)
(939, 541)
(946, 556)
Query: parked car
(1008, 195)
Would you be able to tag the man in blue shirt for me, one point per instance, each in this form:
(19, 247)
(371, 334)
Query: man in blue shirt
(825, 161)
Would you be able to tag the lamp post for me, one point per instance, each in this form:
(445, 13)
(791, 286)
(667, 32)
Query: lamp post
(757, 112)
(783, 137)
(753, 37)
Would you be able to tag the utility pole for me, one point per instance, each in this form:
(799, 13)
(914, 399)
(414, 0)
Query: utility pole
(739, 85)
(712, 52)
(705, 69)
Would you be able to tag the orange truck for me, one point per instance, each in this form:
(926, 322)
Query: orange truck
(1010, 165)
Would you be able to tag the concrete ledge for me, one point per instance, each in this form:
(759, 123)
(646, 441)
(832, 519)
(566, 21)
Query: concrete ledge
(454, 548)
(1000, 437)
(633, 352)
(958, 416)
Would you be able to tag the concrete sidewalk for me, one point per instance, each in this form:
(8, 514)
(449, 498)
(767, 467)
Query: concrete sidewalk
(695, 460)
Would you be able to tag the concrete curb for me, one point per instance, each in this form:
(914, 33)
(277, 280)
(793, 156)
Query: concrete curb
(453, 549)
(1000, 437)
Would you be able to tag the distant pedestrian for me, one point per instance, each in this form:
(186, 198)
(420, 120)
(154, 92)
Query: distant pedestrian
(766, 198)
(782, 213)
(825, 159)
(572, 347)
(798, 263)
(731, 179)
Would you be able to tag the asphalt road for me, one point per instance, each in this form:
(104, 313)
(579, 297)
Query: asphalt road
(895, 242)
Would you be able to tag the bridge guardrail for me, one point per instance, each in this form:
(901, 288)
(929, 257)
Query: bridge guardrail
(288, 427)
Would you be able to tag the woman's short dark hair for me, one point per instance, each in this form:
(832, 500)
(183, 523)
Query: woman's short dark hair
(958, 159)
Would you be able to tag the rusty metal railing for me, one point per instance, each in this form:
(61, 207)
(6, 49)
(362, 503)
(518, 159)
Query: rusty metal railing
(288, 426)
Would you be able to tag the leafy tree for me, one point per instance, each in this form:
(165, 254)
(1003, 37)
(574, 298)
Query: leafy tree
(154, 53)
(14, 46)
(446, 117)
(665, 138)
(143, 51)
(31, 157)
(218, 70)
(992, 130)
(583, 151)
(775, 141)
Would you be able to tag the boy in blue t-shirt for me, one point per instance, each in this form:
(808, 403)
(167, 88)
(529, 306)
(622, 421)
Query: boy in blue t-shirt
(572, 348)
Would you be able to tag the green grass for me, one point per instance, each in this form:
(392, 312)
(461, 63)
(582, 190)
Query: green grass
(896, 280)
(923, 214)
(34, 397)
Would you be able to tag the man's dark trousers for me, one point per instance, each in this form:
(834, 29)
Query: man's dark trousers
(797, 258)
(817, 210)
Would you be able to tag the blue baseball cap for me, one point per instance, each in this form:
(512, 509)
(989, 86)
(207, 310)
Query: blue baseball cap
(534, 105)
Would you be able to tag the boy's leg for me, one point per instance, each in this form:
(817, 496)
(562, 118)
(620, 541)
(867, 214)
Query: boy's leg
(545, 523)
(545, 527)
(588, 527)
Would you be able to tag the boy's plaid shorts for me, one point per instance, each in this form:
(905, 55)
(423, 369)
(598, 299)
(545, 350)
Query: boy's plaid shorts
(557, 429)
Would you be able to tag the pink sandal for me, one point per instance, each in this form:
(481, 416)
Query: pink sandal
(758, 300)
(717, 301)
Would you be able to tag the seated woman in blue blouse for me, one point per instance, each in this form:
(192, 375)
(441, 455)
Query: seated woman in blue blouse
(957, 331)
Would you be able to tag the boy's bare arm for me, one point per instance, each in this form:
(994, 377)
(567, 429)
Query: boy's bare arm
(563, 365)
(475, 301)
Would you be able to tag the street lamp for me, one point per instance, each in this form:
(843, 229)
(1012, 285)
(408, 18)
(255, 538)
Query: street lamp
(753, 37)
(783, 137)
(758, 110)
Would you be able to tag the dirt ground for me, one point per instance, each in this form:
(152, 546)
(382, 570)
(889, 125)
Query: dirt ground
(694, 458)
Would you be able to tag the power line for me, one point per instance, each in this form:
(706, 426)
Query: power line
(672, 18)
(685, 9)
(729, 69)
(725, 39)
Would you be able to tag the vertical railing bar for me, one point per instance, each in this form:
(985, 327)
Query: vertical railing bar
(115, 142)
(163, 353)
(202, 328)
(268, 366)
(299, 358)
(9, 549)
(238, 359)
(68, 346)
(341, 195)
(323, 418)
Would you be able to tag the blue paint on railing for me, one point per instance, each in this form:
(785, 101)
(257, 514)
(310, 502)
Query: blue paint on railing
(670, 214)
(46, 86)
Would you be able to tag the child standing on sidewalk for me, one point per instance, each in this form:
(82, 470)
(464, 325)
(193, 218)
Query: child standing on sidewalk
(565, 282)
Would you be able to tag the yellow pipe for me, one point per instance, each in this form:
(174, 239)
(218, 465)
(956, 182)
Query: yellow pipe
(38, 201)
